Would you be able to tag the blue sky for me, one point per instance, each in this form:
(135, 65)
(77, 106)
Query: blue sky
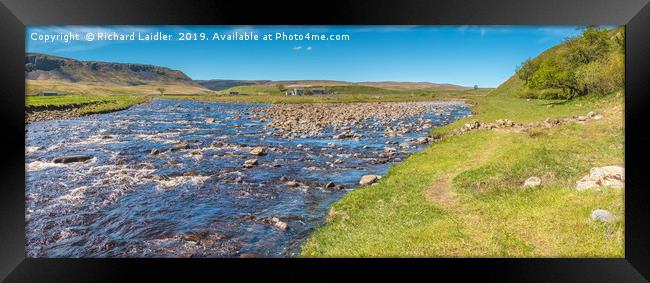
(464, 55)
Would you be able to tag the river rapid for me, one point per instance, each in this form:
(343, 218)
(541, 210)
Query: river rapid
(135, 197)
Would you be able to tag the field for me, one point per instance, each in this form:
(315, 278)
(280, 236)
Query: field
(78, 99)
(333, 98)
(357, 89)
(463, 196)
(84, 105)
(99, 89)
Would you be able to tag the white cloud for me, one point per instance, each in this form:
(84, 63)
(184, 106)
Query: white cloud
(308, 48)
(297, 48)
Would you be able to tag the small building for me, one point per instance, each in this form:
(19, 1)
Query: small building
(295, 92)
(48, 93)
(317, 90)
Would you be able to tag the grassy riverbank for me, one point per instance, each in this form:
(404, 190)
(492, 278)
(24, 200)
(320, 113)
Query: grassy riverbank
(81, 104)
(462, 196)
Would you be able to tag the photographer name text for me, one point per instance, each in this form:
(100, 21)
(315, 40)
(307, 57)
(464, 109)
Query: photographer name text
(184, 36)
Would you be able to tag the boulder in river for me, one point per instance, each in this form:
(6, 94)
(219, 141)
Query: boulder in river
(258, 151)
(250, 163)
(277, 223)
(390, 150)
(72, 158)
(368, 179)
(182, 145)
(209, 120)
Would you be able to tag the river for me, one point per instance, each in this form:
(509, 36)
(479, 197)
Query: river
(197, 201)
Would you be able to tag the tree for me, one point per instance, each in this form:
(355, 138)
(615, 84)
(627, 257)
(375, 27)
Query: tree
(582, 65)
(592, 45)
(619, 39)
(161, 90)
(526, 70)
(475, 87)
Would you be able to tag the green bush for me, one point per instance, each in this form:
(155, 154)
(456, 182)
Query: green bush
(590, 63)
(547, 94)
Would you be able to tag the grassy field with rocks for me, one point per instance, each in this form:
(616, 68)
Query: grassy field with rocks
(464, 196)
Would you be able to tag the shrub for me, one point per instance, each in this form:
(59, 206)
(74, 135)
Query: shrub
(602, 76)
(590, 63)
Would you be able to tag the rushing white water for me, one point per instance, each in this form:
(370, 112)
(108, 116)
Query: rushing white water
(194, 201)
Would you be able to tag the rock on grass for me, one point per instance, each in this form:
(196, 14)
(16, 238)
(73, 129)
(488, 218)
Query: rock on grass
(607, 176)
(368, 179)
(532, 182)
(603, 216)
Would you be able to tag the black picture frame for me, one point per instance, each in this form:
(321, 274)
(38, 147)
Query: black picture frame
(16, 14)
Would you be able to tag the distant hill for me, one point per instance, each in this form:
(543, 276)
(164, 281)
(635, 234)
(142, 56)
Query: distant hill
(413, 85)
(226, 84)
(47, 72)
(47, 67)
(390, 85)
(271, 87)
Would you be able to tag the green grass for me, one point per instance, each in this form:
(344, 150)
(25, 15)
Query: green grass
(462, 197)
(254, 90)
(270, 90)
(85, 104)
(335, 98)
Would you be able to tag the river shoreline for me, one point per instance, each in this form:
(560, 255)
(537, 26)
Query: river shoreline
(36, 113)
(68, 111)
(187, 178)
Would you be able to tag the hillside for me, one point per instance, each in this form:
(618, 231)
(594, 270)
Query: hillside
(271, 87)
(413, 85)
(226, 84)
(47, 67)
(375, 88)
(75, 77)
(592, 64)
(71, 76)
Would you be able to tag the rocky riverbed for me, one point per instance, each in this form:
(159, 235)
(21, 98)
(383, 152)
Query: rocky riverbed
(312, 119)
(182, 178)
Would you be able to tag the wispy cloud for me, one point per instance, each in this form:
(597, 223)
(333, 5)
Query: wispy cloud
(553, 33)
(484, 30)
(302, 48)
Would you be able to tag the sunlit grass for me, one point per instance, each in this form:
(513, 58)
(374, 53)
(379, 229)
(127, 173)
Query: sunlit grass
(334, 98)
(462, 197)
(85, 104)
